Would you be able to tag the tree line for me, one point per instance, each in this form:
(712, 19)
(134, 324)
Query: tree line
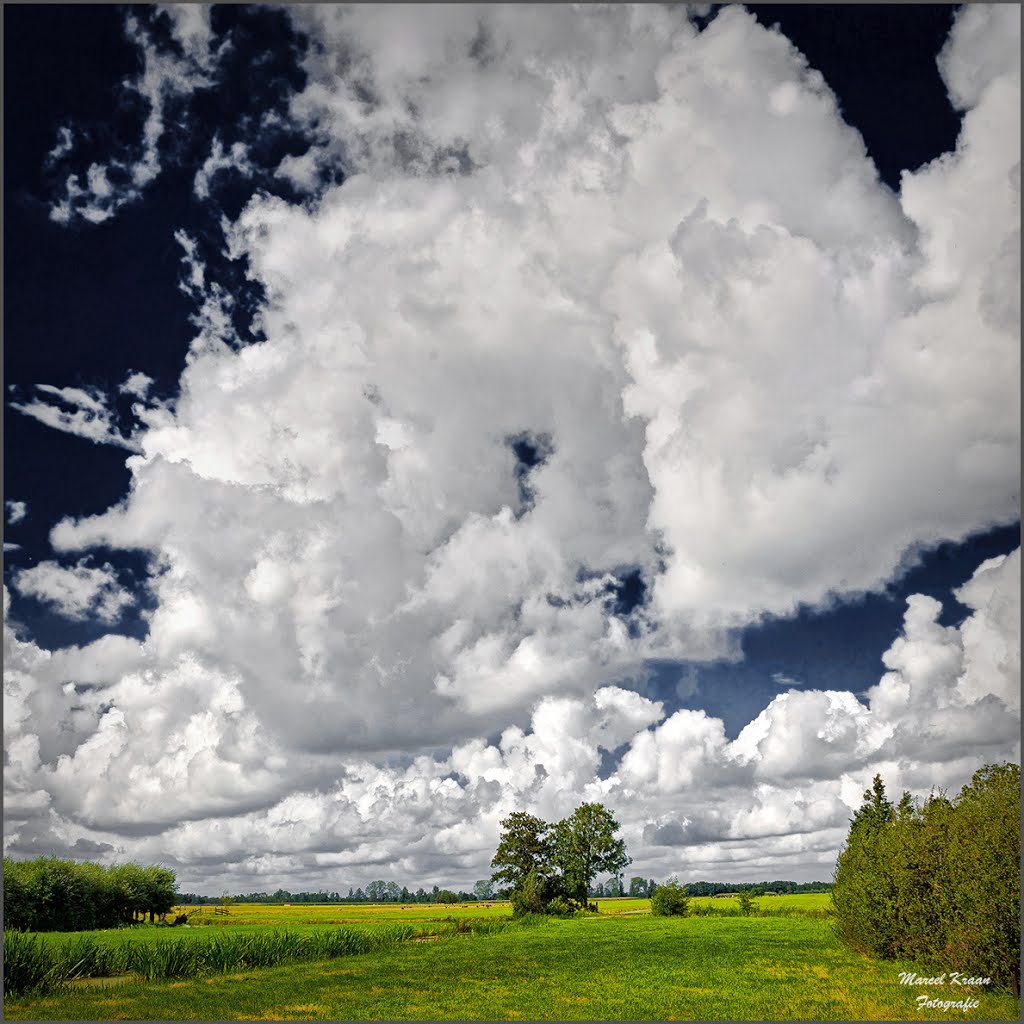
(375, 892)
(782, 888)
(938, 882)
(48, 894)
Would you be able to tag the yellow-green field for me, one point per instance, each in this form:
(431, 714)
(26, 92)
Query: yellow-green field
(342, 913)
(622, 964)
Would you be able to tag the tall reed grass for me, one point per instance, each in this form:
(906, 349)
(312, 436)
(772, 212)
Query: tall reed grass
(28, 964)
(31, 966)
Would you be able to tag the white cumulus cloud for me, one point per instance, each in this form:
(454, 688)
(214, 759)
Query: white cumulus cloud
(79, 592)
(750, 371)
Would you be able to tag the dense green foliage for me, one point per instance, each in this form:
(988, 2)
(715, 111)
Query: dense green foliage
(49, 894)
(584, 844)
(541, 862)
(938, 883)
(670, 900)
(524, 849)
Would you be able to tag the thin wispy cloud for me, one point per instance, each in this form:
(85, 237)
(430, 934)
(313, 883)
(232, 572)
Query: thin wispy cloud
(166, 81)
(75, 411)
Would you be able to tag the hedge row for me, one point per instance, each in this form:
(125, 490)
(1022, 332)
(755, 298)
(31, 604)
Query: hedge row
(49, 894)
(938, 883)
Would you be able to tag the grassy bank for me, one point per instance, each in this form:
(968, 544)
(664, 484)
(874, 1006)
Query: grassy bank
(610, 967)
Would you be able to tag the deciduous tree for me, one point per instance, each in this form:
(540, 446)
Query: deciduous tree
(585, 843)
(525, 846)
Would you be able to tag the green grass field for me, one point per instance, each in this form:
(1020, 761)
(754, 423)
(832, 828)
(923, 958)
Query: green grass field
(622, 964)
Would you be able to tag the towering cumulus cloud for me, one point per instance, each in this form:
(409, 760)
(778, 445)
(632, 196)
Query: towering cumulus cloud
(600, 297)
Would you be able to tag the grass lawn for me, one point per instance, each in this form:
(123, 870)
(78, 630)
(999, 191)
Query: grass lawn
(612, 967)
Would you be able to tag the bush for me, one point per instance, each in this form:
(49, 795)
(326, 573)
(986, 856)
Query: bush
(670, 900)
(534, 895)
(558, 907)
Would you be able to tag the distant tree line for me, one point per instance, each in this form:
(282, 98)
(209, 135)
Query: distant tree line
(375, 892)
(755, 888)
(392, 892)
(937, 883)
(52, 895)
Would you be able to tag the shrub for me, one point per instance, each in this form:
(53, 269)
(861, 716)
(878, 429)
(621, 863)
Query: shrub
(534, 895)
(670, 900)
(558, 907)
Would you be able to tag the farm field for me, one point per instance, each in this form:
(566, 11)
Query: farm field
(618, 965)
(252, 918)
(285, 914)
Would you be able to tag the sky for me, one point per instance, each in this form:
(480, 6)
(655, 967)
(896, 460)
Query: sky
(418, 414)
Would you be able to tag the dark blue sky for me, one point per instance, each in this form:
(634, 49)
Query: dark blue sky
(87, 303)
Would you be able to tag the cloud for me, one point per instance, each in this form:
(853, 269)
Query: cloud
(16, 511)
(89, 416)
(78, 593)
(234, 159)
(377, 630)
(65, 144)
(168, 78)
(137, 384)
(776, 801)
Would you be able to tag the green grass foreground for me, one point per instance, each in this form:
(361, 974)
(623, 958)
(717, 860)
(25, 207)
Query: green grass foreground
(615, 966)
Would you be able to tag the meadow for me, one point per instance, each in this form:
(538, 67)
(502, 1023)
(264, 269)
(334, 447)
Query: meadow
(472, 962)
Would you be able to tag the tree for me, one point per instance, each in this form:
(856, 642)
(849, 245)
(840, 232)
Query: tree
(483, 890)
(525, 846)
(637, 886)
(670, 899)
(541, 862)
(979, 880)
(862, 894)
(160, 890)
(746, 901)
(584, 844)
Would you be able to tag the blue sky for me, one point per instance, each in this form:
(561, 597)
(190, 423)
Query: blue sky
(414, 417)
